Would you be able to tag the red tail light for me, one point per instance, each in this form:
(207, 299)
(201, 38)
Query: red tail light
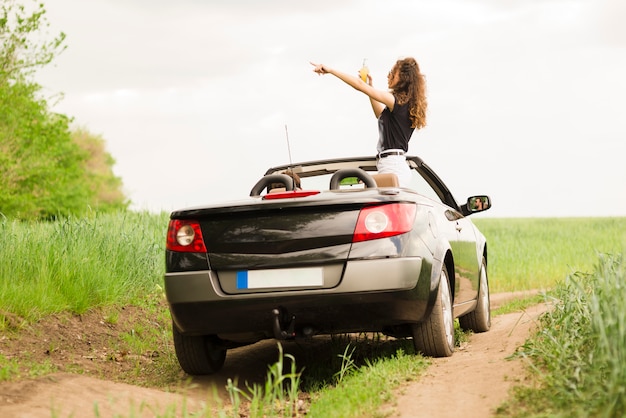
(185, 236)
(384, 221)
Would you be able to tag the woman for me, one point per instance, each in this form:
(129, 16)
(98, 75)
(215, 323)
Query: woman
(400, 111)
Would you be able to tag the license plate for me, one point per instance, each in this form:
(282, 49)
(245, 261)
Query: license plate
(261, 279)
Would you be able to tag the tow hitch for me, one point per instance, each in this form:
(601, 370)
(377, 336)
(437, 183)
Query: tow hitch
(279, 332)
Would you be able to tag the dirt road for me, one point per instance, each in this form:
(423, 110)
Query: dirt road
(471, 383)
(476, 379)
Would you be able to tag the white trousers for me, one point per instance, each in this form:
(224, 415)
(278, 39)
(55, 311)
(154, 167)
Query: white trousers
(397, 165)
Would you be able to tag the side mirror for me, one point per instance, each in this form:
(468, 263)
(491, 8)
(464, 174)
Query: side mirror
(477, 204)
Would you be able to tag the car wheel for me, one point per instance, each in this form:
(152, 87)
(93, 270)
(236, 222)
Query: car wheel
(435, 336)
(479, 320)
(198, 355)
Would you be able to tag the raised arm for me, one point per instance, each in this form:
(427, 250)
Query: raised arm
(378, 98)
(377, 106)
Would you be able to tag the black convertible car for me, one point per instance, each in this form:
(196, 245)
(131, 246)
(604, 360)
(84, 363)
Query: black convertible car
(347, 250)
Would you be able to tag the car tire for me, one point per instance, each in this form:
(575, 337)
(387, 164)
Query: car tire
(479, 320)
(435, 336)
(198, 355)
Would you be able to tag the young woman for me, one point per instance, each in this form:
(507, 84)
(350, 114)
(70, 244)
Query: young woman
(400, 110)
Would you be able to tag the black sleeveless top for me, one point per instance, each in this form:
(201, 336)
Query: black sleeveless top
(394, 128)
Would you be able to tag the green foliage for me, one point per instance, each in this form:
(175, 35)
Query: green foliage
(104, 185)
(76, 264)
(41, 172)
(579, 355)
(45, 171)
(22, 50)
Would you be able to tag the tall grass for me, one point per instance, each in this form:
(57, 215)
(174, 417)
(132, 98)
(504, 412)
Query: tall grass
(75, 264)
(579, 356)
(535, 253)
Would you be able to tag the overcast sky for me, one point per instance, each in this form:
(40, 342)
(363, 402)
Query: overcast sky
(527, 98)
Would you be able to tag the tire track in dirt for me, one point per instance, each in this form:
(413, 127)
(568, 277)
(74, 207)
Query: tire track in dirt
(477, 378)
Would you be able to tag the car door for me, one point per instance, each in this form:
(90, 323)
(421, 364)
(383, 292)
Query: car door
(460, 235)
(466, 266)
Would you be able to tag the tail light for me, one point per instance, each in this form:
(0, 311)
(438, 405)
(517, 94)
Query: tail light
(384, 221)
(290, 194)
(185, 236)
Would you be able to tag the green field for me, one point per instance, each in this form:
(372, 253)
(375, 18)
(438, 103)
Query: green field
(75, 264)
(535, 253)
(117, 260)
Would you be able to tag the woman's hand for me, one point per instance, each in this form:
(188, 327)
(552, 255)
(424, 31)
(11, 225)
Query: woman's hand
(378, 98)
(319, 68)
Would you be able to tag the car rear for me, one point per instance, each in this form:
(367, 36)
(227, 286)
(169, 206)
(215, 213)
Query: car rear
(324, 263)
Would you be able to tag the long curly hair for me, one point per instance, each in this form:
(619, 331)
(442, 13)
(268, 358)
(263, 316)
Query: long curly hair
(411, 88)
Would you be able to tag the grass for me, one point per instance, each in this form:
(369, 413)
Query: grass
(518, 305)
(108, 262)
(578, 358)
(535, 253)
(9, 368)
(362, 391)
(277, 397)
(371, 369)
(77, 264)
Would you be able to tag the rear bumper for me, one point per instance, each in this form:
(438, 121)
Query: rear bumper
(371, 295)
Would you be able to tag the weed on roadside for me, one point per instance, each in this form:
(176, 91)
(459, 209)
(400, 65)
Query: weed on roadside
(578, 358)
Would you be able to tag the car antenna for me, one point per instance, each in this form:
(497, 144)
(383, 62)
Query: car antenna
(288, 146)
(290, 161)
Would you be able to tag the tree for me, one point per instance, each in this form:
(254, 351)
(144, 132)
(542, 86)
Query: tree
(102, 182)
(21, 51)
(46, 171)
(41, 173)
